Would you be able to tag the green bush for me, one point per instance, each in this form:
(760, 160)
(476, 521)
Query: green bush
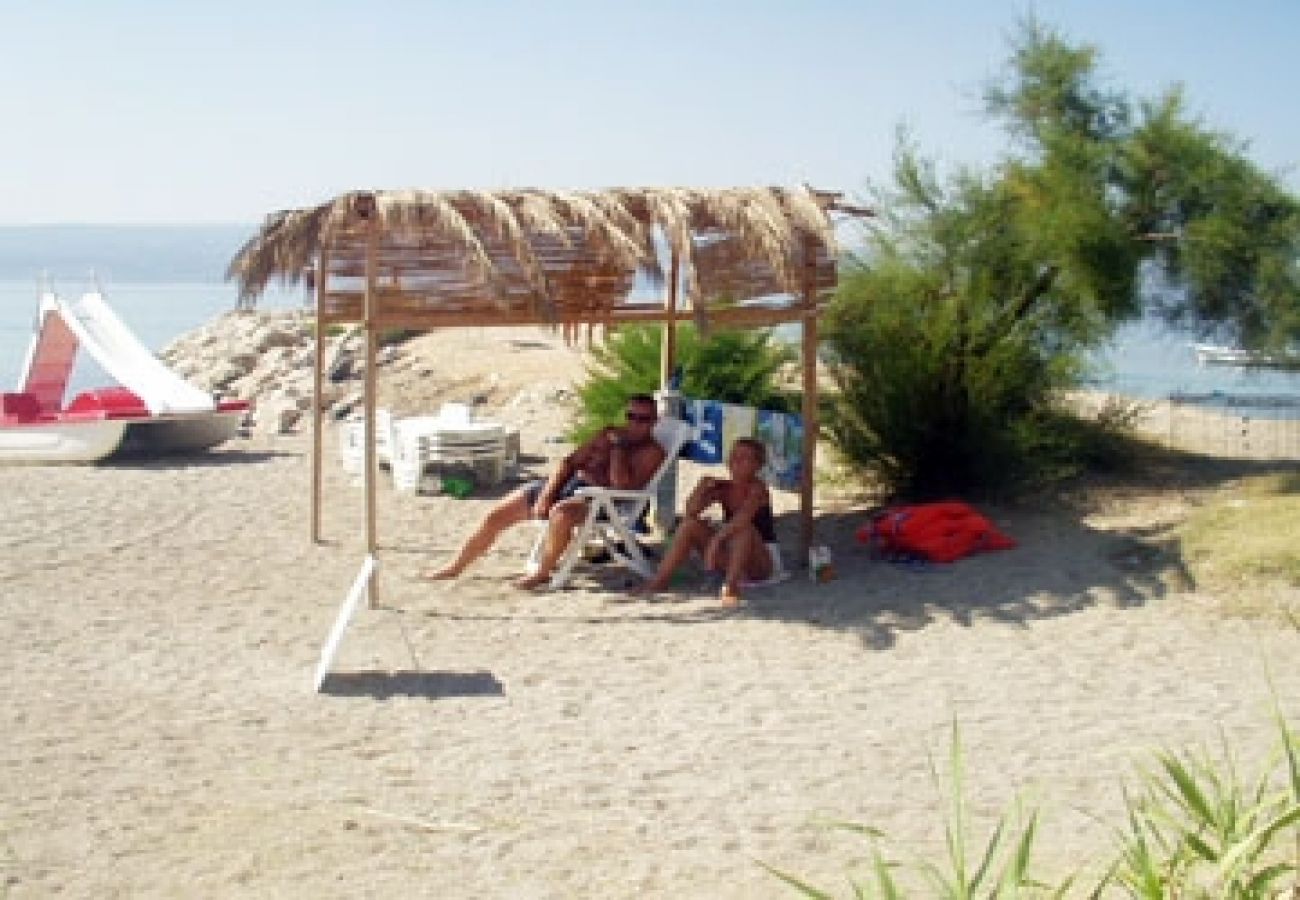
(732, 366)
(937, 394)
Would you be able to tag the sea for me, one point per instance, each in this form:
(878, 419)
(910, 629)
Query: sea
(161, 280)
(166, 280)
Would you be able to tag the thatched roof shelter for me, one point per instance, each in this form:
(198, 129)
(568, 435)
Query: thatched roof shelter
(428, 259)
(531, 256)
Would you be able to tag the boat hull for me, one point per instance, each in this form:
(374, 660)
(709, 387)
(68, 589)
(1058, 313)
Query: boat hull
(61, 442)
(1209, 354)
(190, 433)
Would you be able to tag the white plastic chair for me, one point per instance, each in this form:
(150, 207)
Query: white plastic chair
(612, 514)
(352, 442)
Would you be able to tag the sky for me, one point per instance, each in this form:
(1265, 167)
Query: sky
(117, 111)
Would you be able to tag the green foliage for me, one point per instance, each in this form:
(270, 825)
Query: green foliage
(330, 330)
(732, 366)
(391, 336)
(1159, 188)
(947, 367)
(1218, 228)
(976, 298)
(1198, 830)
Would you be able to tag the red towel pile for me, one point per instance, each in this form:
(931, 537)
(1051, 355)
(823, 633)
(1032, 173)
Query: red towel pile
(938, 532)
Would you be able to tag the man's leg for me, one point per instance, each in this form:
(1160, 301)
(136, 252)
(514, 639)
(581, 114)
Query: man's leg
(565, 517)
(513, 509)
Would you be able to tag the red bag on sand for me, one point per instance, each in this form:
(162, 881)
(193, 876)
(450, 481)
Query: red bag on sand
(939, 532)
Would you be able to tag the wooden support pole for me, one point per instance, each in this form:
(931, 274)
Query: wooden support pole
(372, 357)
(670, 403)
(809, 354)
(317, 394)
(668, 350)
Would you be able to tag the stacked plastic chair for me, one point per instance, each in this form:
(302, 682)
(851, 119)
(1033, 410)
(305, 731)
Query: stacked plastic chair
(450, 440)
(453, 439)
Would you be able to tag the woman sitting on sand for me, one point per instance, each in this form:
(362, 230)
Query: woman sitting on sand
(738, 548)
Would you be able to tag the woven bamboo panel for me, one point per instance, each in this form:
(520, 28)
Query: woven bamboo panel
(545, 256)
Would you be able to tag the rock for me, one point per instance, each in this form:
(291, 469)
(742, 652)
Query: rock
(343, 369)
(278, 337)
(221, 378)
(245, 361)
(278, 418)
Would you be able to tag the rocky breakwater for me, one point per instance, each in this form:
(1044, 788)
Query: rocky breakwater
(522, 376)
(266, 358)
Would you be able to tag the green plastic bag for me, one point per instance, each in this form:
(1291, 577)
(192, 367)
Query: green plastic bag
(457, 487)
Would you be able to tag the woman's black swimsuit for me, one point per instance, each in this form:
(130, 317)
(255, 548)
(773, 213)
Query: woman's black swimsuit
(765, 523)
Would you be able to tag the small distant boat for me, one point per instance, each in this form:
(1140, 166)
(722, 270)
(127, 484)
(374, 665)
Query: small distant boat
(1214, 354)
(151, 411)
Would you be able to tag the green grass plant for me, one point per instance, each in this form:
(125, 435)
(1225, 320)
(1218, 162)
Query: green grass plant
(1198, 830)
(1195, 829)
(994, 867)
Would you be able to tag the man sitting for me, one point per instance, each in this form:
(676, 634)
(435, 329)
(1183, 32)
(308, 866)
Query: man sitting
(624, 458)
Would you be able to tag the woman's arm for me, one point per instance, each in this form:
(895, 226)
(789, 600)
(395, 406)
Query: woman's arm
(743, 517)
(755, 498)
(701, 498)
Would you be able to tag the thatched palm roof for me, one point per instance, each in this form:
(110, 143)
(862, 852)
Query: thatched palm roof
(542, 255)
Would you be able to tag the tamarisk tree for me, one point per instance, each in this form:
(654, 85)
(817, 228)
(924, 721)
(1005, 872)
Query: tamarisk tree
(976, 298)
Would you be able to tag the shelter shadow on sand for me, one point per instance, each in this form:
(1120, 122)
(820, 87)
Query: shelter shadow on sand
(409, 683)
(1062, 565)
(193, 460)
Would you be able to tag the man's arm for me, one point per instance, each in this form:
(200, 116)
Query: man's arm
(567, 468)
(557, 480)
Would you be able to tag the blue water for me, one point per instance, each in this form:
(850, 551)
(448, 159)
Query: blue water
(156, 312)
(1149, 360)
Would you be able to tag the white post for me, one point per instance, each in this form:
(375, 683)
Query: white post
(360, 588)
(669, 403)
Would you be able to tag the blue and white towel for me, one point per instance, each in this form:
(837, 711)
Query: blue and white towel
(720, 424)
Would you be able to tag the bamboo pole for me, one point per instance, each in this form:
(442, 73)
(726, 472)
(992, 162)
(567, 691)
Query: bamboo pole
(809, 353)
(317, 437)
(372, 340)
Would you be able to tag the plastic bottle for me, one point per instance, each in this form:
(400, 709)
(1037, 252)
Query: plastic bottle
(820, 569)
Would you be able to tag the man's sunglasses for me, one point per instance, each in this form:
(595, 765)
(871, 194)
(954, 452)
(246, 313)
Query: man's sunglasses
(640, 417)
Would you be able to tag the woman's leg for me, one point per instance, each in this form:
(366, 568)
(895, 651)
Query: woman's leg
(747, 559)
(691, 536)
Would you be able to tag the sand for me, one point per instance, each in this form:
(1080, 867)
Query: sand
(161, 737)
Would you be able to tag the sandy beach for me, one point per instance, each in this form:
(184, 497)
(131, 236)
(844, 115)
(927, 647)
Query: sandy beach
(162, 738)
